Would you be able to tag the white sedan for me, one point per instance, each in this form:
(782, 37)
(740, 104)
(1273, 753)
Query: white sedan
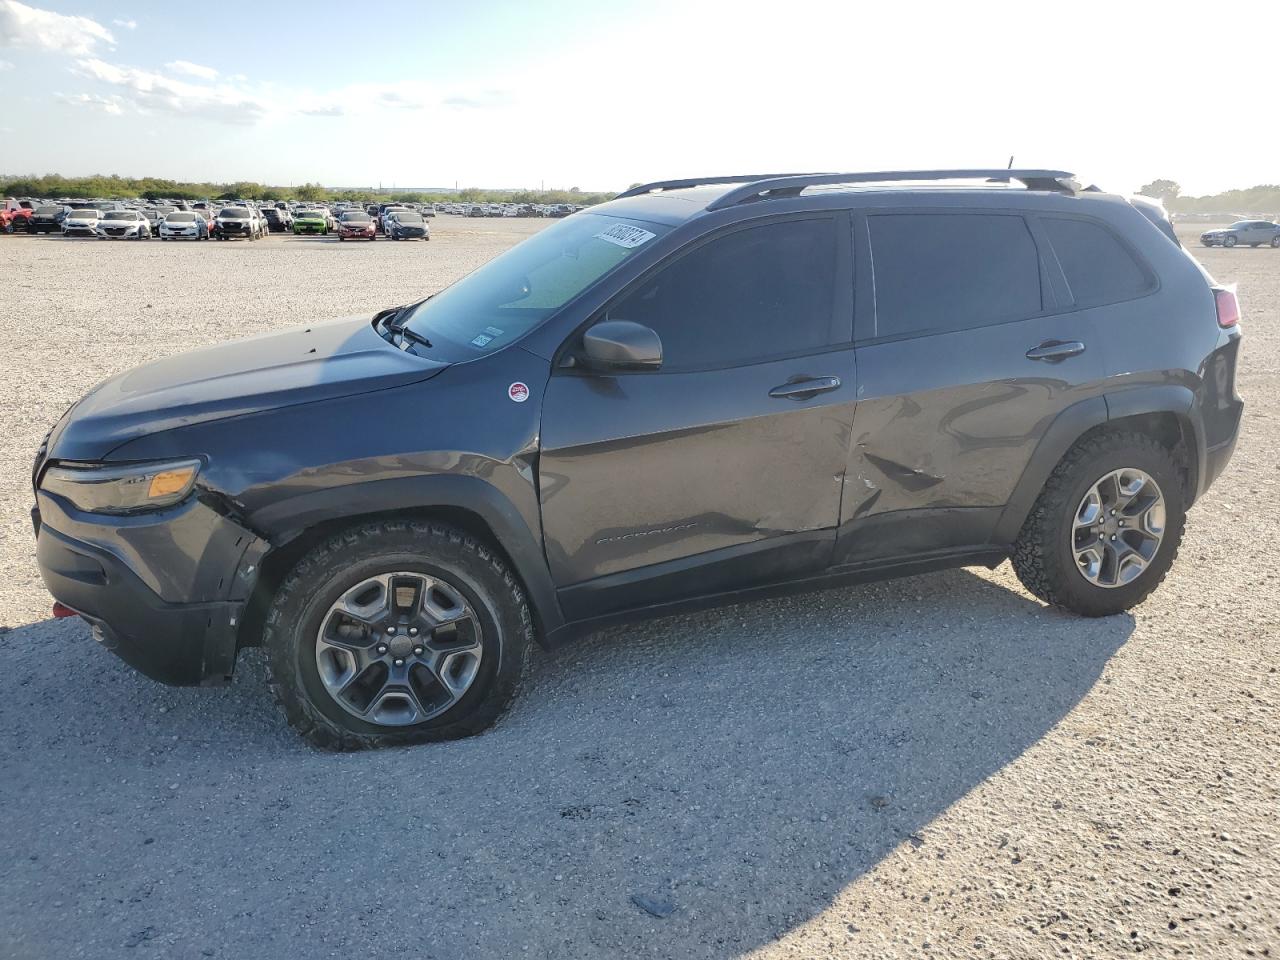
(184, 225)
(123, 225)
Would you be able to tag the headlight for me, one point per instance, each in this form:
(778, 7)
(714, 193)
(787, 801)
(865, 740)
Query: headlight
(123, 489)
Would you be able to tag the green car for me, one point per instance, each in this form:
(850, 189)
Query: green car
(310, 221)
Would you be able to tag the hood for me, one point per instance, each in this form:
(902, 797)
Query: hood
(336, 359)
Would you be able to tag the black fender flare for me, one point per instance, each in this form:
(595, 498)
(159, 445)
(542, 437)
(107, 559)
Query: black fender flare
(286, 519)
(1077, 420)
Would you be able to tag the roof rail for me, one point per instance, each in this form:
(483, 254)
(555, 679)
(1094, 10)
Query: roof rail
(1059, 181)
(706, 182)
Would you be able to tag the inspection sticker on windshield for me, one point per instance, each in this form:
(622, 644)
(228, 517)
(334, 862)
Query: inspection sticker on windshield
(625, 235)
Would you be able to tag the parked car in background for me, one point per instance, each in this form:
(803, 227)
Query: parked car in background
(356, 225)
(82, 222)
(48, 218)
(236, 223)
(154, 217)
(19, 213)
(184, 225)
(406, 225)
(123, 225)
(1252, 233)
(310, 221)
(277, 220)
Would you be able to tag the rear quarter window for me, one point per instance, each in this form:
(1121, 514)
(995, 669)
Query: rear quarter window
(1098, 267)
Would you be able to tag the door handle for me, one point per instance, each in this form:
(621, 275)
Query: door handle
(804, 389)
(1055, 350)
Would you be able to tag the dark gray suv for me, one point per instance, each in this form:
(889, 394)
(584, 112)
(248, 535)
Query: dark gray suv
(696, 393)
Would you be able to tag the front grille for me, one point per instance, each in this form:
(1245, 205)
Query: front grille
(116, 231)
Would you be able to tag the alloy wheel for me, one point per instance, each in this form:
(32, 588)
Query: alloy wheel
(399, 648)
(1118, 528)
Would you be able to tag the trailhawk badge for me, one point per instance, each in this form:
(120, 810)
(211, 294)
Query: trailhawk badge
(518, 392)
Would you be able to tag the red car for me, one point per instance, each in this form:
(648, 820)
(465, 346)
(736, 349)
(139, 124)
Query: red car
(357, 225)
(16, 216)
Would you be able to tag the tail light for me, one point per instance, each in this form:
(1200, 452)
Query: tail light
(1228, 307)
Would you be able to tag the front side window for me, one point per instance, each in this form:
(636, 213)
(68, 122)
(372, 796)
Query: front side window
(516, 291)
(938, 273)
(765, 291)
(1098, 267)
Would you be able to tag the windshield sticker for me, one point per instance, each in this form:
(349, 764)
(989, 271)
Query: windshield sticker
(493, 331)
(481, 341)
(625, 235)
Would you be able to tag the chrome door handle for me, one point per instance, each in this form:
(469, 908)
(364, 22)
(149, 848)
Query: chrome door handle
(1055, 350)
(804, 389)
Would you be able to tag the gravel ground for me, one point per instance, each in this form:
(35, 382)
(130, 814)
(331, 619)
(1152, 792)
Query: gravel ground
(936, 766)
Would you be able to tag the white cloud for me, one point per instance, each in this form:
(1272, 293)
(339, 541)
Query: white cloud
(24, 26)
(149, 91)
(5, 65)
(112, 105)
(126, 24)
(190, 69)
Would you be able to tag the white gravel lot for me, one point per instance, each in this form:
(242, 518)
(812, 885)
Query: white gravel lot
(937, 766)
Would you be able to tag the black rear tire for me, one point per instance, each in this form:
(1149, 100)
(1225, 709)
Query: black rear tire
(335, 566)
(1043, 557)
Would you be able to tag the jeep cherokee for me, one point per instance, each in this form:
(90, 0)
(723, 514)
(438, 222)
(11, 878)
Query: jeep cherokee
(696, 393)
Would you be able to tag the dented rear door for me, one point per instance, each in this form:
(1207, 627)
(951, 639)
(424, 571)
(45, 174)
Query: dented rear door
(956, 384)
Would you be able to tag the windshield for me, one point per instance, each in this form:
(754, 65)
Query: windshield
(356, 218)
(308, 213)
(180, 218)
(84, 214)
(120, 215)
(516, 291)
(235, 213)
(404, 216)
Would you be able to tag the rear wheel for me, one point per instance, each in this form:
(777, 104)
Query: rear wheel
(397, 633)
(1275, 241)
(1106, 528)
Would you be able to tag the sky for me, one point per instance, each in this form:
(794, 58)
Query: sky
(600, 94)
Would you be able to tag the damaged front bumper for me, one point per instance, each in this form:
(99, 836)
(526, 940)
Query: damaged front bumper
(166, 591)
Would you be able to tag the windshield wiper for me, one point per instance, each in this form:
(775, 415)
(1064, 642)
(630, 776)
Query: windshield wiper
(407, 334)
(389, 324)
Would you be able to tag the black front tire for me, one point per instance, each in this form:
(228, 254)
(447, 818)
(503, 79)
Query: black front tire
(1229, 242)
(335, 566)
(1042, 556)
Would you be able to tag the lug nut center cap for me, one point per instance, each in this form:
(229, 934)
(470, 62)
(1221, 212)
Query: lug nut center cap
(401, 647)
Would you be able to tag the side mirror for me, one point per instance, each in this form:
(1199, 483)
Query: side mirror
(621, 345)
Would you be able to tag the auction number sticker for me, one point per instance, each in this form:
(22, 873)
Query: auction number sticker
(625, 235)
(518, 392)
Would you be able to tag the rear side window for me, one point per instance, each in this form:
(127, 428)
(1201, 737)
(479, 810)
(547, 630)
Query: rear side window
(762, 292)
(1098, 267)
(937, 273)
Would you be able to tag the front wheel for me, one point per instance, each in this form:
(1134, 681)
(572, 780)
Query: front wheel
(1229, 242)
(397, 633)
(1106, 528)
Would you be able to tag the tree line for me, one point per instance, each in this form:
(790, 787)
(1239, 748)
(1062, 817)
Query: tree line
(1262, 199)
(153, 188)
